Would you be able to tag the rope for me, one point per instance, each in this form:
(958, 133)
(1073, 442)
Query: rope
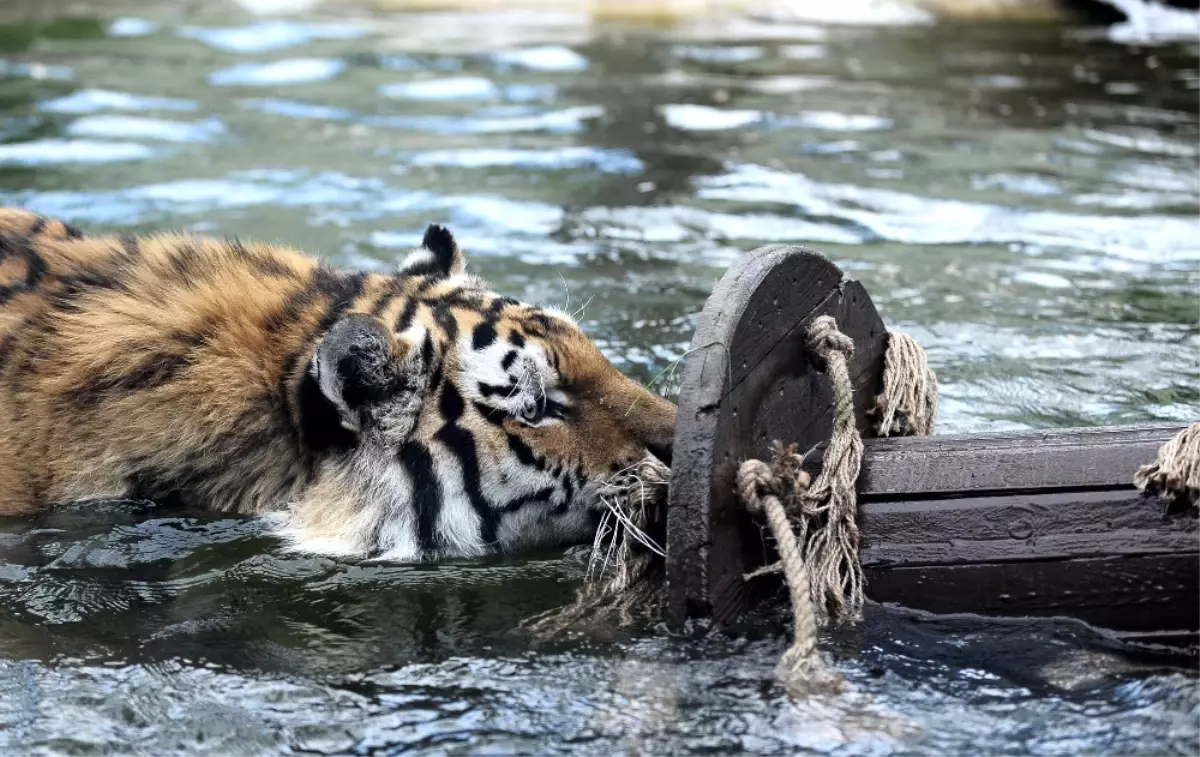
(828, 509)
(1175, 475)
(909, 400)
(820, 561)
(759, 485)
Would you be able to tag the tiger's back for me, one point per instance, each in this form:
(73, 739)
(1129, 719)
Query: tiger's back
(247, 377)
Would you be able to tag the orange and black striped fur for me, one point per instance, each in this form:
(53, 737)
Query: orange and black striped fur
(407, 416)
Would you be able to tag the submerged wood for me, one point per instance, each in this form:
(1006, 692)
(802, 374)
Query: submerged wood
(1032, 523)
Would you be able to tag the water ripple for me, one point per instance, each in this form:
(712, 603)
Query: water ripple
(269, 35)
(49, 152)
(605, 161)
(278, 73)
(136, 127)
(84, 101)
(545, 58)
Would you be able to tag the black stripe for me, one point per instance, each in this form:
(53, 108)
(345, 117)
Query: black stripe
(341, 289)
(536, 321)
(406, 316)
(571, 478)
(516, 339)
(76, 285)
(425, 268)
(263, 263)
(405, 319)
(541, 495)
(458, 298)
(498, 305)
(444, 317)
(155, 370)
(495, 390)
(524, 453)
(493, 415)
(131, 247)
(295, 304)
(33, 328)
(509, 358)
(72, 232)
(427, 494)
(12, 245)
(344, 289)
(462, 444)
(436, 374)
(552, 409)
(483, 336)
(7, 346)
(568, 482)
(186, 262)
(38, 226)
(394, 289)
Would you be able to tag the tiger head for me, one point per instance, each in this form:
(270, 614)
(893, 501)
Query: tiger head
(457, 422)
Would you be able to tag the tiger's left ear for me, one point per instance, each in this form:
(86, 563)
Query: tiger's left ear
(438, 256)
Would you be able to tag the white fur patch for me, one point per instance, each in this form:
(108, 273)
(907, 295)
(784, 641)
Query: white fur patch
(418, 258)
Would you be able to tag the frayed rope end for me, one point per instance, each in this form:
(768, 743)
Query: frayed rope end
(1175, 475)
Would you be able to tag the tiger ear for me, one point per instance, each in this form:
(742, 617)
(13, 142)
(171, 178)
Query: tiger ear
(438, 256)
(359, 373)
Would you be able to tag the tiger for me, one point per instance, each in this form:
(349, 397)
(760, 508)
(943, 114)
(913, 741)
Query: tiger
(413, 415)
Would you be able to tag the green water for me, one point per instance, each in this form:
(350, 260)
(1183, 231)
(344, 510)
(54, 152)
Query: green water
(1022, 199)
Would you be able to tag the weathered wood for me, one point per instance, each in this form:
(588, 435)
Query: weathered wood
(749, 381)
(1040, 522)
(1026, 523)
(1057, 459)
(1143, 594)
(1020, 527)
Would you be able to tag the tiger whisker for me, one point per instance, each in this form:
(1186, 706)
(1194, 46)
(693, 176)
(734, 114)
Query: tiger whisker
(576, 315)
(601, 531)
(567, 289)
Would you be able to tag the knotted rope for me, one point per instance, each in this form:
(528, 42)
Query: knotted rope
(821, 559)
(800, 667)
(1175, 475)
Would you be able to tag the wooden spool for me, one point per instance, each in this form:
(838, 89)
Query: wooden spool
(1032, 523)
(748, 382)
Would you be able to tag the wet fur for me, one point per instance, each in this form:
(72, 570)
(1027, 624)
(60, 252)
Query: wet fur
(376, 415)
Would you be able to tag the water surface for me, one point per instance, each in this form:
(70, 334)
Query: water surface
(1021, 198)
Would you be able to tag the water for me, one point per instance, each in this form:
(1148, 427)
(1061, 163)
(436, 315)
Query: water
(1021, 198)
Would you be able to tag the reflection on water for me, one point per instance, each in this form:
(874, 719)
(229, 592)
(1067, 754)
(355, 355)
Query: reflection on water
(1022, 199)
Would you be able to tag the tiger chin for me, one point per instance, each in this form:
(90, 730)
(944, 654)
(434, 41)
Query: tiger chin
(406, 416)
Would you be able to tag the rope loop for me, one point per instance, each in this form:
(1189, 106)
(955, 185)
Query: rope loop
(824, 339)
(755, 481)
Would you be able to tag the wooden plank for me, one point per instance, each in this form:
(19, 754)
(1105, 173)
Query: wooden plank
(1140, 594)
(748, 382)
(1047, 459)
(1021, 527)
